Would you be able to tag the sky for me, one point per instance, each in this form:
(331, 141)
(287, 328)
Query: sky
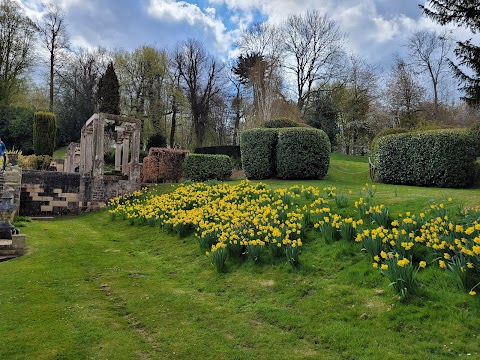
(376, 29)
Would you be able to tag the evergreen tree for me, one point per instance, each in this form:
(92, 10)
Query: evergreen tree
(108, 94)
(461, 13)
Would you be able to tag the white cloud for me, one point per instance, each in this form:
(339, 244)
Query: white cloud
(171, 11)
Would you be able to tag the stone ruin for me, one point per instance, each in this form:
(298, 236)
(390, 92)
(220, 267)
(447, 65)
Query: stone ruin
(84, 185)
(126, 131)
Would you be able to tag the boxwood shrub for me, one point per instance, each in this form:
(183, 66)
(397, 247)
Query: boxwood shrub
(257, 147)
(438, 158)
(302, 153)
(202, 167)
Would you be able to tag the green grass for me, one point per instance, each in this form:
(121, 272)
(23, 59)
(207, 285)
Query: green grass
(60, 153)
(92, 288)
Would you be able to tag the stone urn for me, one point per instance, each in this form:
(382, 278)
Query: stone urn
(7, 212)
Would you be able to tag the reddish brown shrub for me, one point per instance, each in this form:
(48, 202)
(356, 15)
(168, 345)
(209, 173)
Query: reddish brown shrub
(163, 165)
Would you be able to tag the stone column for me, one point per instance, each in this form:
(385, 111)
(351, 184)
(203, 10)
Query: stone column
(98, 145)
(118, 147)
(126, 150)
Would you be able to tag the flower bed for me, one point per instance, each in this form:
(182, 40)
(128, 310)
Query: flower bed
(252, 221)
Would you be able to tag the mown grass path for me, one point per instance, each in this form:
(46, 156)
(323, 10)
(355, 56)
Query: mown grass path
(90, 288)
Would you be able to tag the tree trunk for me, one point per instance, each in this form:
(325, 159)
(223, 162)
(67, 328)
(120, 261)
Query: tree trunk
(174, 124)
(52, 63)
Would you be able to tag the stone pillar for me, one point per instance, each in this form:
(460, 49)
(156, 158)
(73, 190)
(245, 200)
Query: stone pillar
(135, 167)
(98, 145)
(126, 150)
(118, 147)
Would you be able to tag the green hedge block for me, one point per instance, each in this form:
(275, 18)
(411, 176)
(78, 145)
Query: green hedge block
(257, 147)
(438, 158)
(44, 133)
(302, 153)
(203, 167)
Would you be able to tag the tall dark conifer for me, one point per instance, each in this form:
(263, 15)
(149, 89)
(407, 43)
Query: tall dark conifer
(108, 93)
(461, 13)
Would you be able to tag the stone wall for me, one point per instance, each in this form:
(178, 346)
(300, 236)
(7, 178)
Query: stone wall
(46, 193)
(50, 193)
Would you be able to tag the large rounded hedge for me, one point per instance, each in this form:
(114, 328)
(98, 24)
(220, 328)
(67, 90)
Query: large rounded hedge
(302, 153)
(439, 158)
(257, 147)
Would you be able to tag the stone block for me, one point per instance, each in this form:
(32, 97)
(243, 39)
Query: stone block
(46, 208)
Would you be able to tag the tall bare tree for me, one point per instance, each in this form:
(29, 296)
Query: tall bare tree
(17, 36)
(314, 48)
(53, 30)
(200, 76)
(144, 75)
(259, 68)
(429, 54)
(404, 95)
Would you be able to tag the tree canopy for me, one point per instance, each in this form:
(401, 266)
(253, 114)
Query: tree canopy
(461, 13)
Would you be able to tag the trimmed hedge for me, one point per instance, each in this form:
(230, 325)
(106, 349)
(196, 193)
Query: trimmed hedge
(44, 133)
(385, 132)
(257, 147)
(202, 167)
(280, 123)
(475, 129)
(302, 153)
(438, 158)
(229, 150)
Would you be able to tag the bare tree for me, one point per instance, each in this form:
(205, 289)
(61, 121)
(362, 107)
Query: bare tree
(200, 75)
(259, 68)
(314, 46)
(404, 95)
(54, 36)
(429, 53)
(17, 36)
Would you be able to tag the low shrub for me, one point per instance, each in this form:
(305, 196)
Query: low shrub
(441, 158)
(202, 167)
(257, 147)
(233, 151)
(34, 162)
(280, 123)
(302, 153)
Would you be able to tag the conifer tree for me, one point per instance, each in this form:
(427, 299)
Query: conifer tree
(461, 13)
(108, 94)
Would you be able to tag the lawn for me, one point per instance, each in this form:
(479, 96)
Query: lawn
(93, 288)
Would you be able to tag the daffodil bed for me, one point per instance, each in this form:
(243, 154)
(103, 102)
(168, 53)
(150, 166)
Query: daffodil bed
(251, 220)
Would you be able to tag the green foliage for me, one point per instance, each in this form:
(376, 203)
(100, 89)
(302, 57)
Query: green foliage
(157, 140)
(44, 133)
(16, 128)
(440, 158)
(229, 150)
(108, 94)
(385, 132)
(257, 147)
(302, 153)
(280, 123)
(202, 167)
(34, 162)
(323, 114)
(475, 129)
